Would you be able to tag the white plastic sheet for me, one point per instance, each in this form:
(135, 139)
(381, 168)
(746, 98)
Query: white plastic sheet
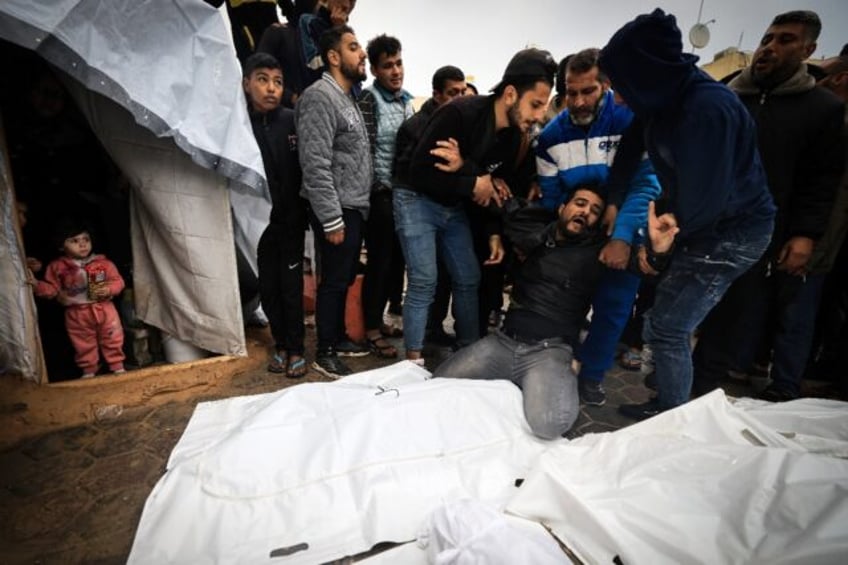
(468, 532)
(705, 483)
(327, 470)
(171, 65)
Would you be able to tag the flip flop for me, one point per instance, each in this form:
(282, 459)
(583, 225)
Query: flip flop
(389, 330)
(630, 360)
(277, 363)
(296, 367)
(384, 350)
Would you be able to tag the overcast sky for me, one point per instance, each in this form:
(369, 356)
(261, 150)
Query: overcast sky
(480, 36)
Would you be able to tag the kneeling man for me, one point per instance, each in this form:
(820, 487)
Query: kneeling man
(551, 296)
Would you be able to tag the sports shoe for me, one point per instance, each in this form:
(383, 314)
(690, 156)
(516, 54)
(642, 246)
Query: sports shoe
(328, 364)
(651, 380)
(776, 394)
(640, 411)
(349, 348)
(591, 394)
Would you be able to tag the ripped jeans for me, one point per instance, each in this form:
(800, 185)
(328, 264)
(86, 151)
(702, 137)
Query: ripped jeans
(698, 276)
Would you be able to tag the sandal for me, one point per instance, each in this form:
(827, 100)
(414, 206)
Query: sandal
(296, 366)
(389, 330)
(382, 348)
(631, 360)
(277, 363)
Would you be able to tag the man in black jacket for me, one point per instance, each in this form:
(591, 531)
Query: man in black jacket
(429, 201)
(799, 127)
(553, 289)
(280, 252)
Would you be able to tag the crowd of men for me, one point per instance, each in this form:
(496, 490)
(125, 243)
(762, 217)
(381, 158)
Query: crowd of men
(728, 198)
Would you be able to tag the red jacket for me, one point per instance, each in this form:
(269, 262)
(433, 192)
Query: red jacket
(74, 277)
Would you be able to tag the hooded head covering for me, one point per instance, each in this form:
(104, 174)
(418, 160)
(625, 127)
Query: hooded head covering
(646, 63)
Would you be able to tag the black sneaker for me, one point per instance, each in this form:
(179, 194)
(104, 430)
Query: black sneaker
(591, 394)
(349, 348)
(651, 380)
(328, 364)
(640, 411)
(776, 394)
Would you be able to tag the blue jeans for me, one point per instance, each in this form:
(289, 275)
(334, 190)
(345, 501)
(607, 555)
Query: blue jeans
(696, 279)
(542, 370)
(612, 307)
(422, 224)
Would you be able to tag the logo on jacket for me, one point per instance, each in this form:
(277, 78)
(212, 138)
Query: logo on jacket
(292, 142)
(352, 117)
(608, 145)
(493, 167)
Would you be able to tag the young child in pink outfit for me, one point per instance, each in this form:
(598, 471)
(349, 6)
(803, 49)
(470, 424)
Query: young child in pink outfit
(85, 284)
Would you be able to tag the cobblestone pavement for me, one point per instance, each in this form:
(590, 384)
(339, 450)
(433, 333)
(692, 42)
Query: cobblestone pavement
(76, 495)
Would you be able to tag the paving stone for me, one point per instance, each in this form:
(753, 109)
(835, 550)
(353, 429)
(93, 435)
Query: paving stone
(117, 438)
(170, 415)
(48, 515)
(49, 445)
(32, 478)
(161, 442)
(113, 474)
(113, 515)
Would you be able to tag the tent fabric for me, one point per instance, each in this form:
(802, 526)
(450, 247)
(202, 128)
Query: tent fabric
(184, 266)
(704, 483)
(172, 66)
(322, 470)
(171, 63)
(19, 351)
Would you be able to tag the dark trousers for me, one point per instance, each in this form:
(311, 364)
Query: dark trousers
(763, 310)
(280, 257)
(632, 336)
(383, 250)
(338, 271)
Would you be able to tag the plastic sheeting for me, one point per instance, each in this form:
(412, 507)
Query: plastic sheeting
(184, 265)
(320, 471)
(323, 470)
(19, 351)
(469, 532)
(172, 66)
(171, 63)
(705, 483)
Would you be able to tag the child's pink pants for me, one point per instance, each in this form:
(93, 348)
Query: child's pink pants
(90, 325)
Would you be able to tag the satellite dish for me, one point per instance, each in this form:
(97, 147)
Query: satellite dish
(699, 36)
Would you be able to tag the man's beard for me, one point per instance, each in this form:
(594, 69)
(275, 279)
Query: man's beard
(513, 116)
(352, 72)
(585, 119)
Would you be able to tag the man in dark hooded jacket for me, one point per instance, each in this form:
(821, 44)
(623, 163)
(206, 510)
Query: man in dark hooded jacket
(703, 145)
(773, 306)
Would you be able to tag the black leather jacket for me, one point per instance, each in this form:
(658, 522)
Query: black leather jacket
(554, 286)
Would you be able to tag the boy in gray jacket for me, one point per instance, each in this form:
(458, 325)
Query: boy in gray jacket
(336, 161)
